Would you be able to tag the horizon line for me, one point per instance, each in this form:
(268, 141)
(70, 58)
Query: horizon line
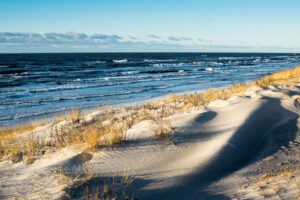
(146, 52)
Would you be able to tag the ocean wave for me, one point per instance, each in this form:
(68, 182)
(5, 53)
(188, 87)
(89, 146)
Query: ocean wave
(4, 118)
(99, 62)
(283, 57)
(209, 69)
(159, 71)
(129, 72)
(232, 58)
(18, 103)
(58, 88)
(266, 60)
(120, 60)
(91, 63)
(216, 63)
(181, 64)
(257, 60)
(158, 65)
(12, 71)
(159, 60)
(197, 63)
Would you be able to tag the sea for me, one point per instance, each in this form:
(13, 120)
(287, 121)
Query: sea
(36, 86)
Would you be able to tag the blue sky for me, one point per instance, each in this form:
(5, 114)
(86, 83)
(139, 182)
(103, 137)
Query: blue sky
(149, 25)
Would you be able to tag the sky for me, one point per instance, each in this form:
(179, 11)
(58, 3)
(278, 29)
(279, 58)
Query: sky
(149, 26)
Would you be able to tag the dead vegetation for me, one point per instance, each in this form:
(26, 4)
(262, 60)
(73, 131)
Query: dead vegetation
(20, 129)
(110, 126)
(271, 184)
(164, 131)
(190, 101)
(91, 187)
(283, 183)
(74, 115)
(288, 76)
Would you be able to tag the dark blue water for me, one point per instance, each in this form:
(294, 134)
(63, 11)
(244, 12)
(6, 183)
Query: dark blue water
(36, 85)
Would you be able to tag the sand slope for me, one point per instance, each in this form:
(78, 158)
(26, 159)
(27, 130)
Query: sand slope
(208, 145)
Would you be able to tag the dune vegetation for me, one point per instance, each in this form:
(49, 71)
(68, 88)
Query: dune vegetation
(24, 143)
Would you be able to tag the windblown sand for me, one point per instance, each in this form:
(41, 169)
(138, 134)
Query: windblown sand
(245, 147)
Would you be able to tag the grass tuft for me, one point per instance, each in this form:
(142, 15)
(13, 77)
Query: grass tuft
(74, 115)
(164, 131)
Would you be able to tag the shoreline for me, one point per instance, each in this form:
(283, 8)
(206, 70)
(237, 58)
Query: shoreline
(181, 146)
(51, 117)
(92, 109)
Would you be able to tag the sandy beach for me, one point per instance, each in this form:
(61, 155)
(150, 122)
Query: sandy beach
(149, 100)
(243, 145)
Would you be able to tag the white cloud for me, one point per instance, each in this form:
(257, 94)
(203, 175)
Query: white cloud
(81, 42)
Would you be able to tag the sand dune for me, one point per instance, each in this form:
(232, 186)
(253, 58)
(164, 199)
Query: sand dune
(207, 146)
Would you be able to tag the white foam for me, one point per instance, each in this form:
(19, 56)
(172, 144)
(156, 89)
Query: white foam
(130, 72)
(160, 60)
(209, 69)
(120, 61)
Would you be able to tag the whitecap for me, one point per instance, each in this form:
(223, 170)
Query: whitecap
(216, 63)
(158, 65)
(95, 62)
(121, 61)
(209, 69)
(160, 60)
(197, 63)
(129, 72)
(99, 61)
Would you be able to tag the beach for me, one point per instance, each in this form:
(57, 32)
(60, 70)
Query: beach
(238, 142)
(149, 100)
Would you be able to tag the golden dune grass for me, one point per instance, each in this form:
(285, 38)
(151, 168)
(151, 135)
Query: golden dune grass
(73, 115)
(20, 129)
(110, 127)
(164, 131)
(288, 76)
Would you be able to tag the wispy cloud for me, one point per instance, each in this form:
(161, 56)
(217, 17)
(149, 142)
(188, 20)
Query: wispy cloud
(152, 36)
(180, 39)
(15, 38)
(81, 42)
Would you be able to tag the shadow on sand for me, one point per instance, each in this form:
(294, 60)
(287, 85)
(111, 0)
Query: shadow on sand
(242, 149)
